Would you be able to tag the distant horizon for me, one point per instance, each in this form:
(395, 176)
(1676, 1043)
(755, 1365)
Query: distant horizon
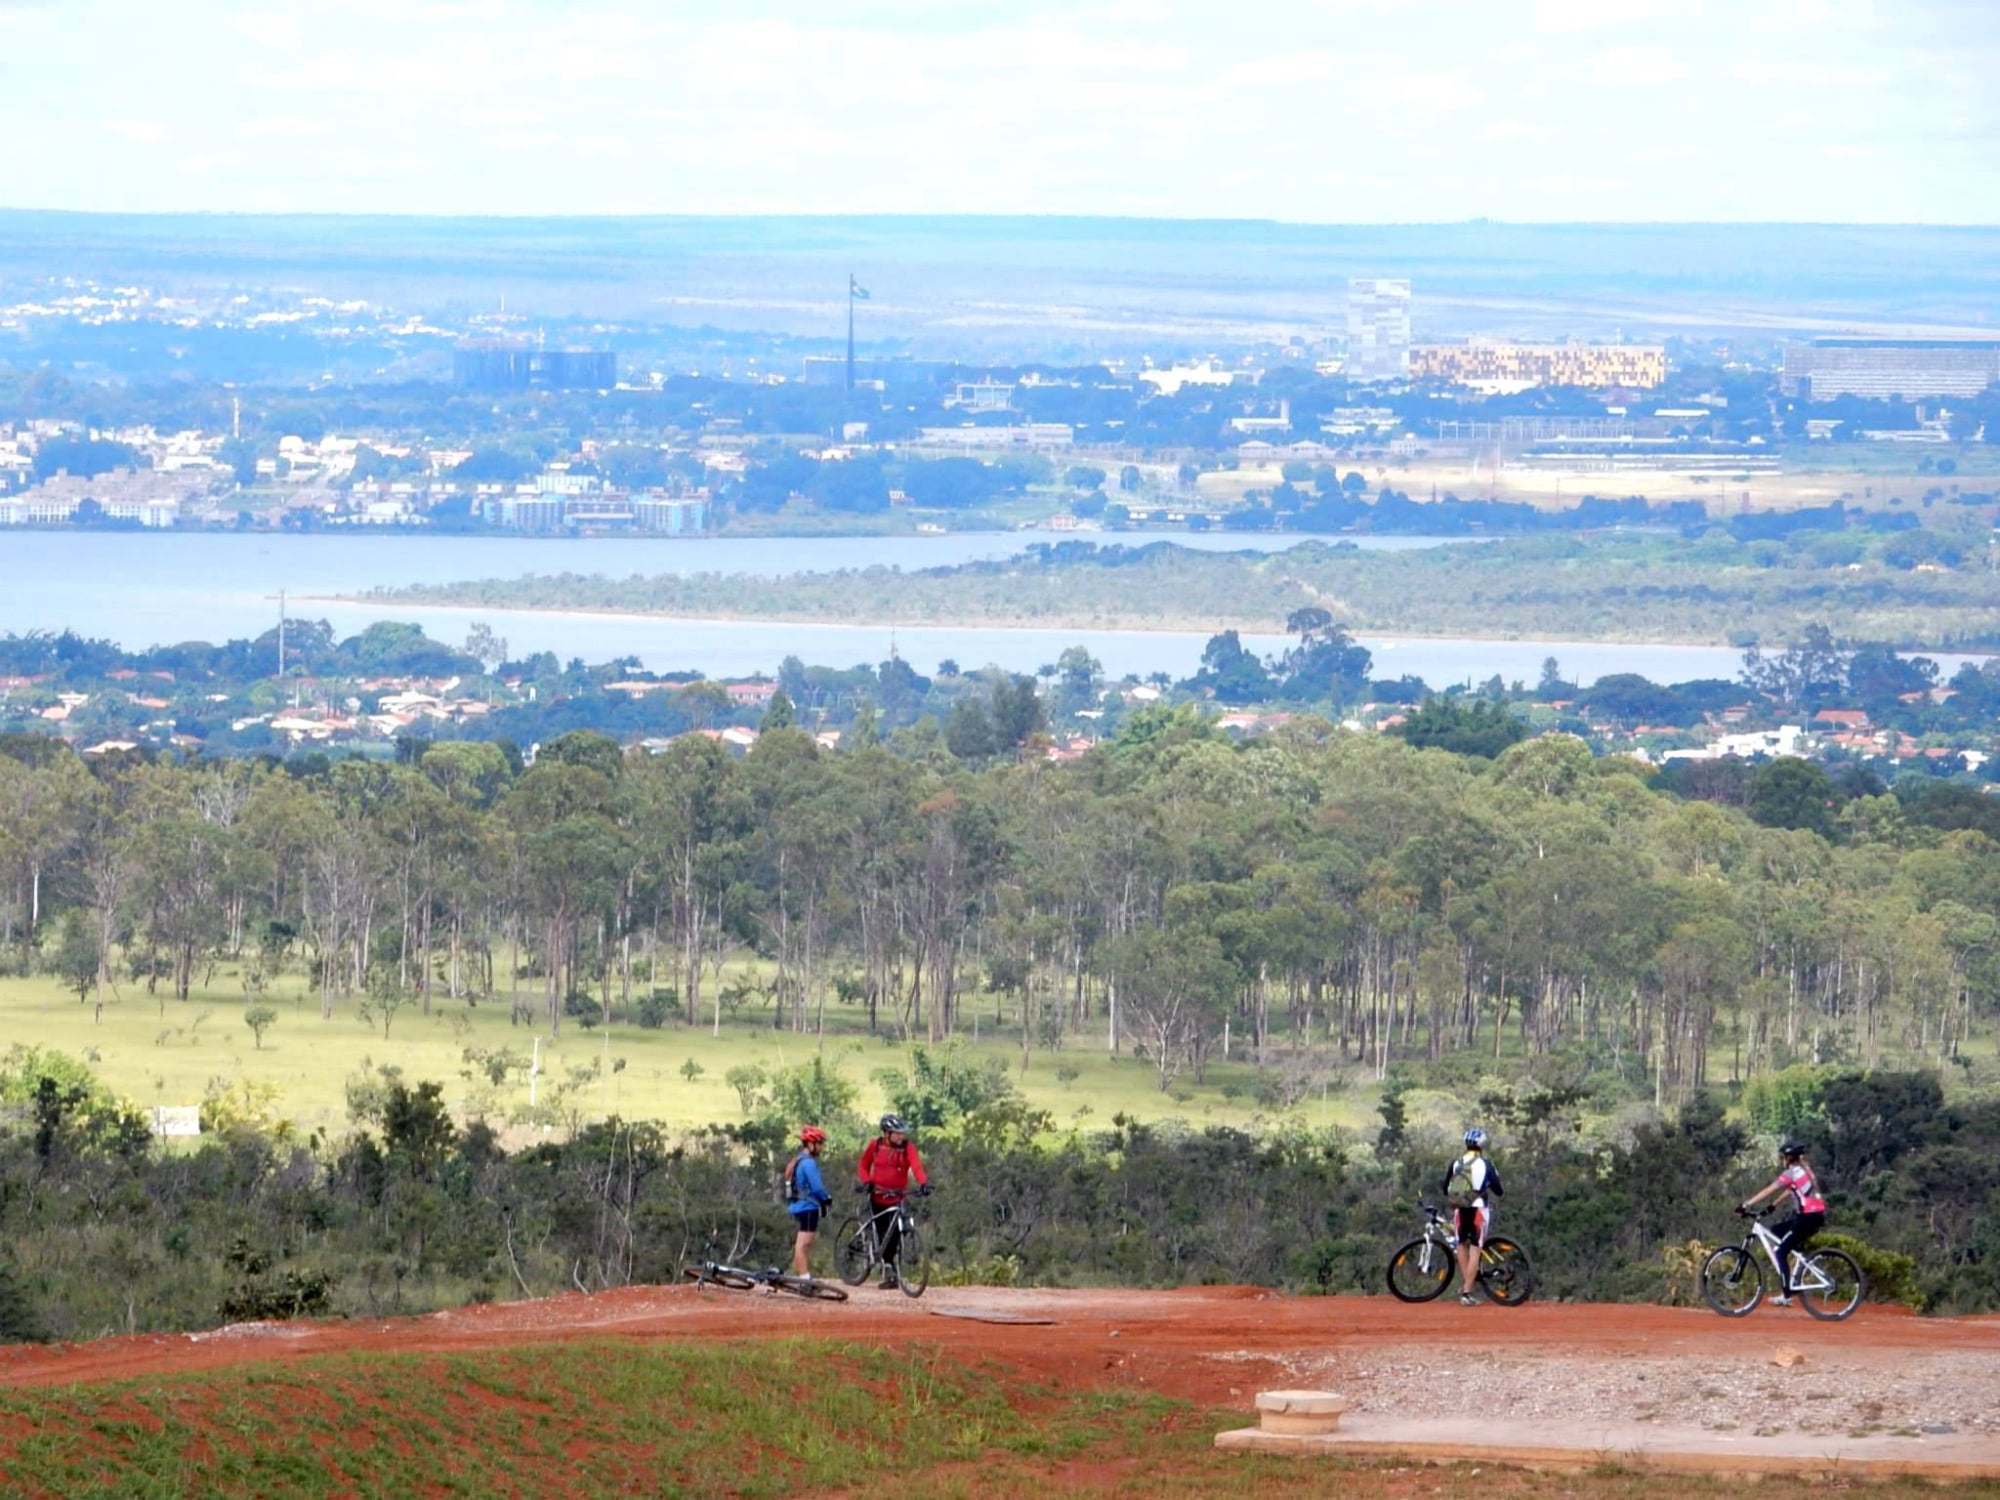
(974, 217)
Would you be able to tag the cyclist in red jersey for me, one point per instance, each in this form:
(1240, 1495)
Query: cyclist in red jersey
(889, 1163)
(1796, 1177)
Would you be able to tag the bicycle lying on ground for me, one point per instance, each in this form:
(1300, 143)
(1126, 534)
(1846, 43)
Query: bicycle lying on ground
(1425, 1267)
(857, 1250)
(1827, 1282)
(744, 1279)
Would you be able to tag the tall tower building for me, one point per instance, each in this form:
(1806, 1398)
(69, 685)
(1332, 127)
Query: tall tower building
(1378, 329)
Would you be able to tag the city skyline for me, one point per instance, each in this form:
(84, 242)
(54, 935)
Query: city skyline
(1526, 110)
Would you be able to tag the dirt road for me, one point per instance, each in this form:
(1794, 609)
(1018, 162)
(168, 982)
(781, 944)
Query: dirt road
(1218, 1345)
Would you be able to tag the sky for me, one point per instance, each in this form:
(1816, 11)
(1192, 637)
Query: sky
(1345, 111)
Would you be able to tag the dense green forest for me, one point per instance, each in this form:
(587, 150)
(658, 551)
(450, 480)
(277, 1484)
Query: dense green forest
(1593, 965)
(1932, 587)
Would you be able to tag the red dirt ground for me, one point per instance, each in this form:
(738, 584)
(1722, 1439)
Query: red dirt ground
(1202, 1344)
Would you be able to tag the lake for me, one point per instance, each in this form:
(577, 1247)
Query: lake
(151, 589)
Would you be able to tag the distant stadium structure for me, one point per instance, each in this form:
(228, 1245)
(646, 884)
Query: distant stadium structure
(497, 365)
(1912, 369)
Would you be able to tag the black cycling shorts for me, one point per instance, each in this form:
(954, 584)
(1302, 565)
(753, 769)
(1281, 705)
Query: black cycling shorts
(807, 1220)
(1471, 1225)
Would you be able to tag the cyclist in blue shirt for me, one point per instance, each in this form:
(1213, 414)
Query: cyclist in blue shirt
(806, 1196)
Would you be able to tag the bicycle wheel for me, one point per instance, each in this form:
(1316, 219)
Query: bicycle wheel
(913, 1262)
(1830, 1284)
(1731, 1281)
(1420, 1271)
(852, 1257)
(812, 1287)
(1505, 1274)
(721, 1276)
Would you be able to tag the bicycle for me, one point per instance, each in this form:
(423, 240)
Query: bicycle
(857, 1250)
(742, 1279)
(1423, 1269)
(1828, 1283)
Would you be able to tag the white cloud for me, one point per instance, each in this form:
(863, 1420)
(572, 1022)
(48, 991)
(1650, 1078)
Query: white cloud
(1638, 67)
(1308, 108)
(1567, 17)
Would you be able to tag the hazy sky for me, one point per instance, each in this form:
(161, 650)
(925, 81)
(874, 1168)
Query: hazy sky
(1349, 110)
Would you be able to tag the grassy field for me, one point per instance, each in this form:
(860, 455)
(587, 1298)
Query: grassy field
(570, 1421)
(160, 1051)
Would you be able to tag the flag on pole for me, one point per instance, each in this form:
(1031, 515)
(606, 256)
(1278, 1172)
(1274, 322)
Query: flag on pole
(856, 290)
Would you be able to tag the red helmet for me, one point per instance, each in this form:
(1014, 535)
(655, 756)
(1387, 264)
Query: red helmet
(812, 1135)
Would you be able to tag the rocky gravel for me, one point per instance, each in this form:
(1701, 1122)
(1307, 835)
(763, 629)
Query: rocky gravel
(1911, 1394)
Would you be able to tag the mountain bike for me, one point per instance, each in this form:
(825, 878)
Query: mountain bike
(1424, 1268)
(743, 1279)
(1828, 1283)
(857, 1249)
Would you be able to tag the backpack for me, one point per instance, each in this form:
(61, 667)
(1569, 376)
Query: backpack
(1459, 1189)
(788, 1187)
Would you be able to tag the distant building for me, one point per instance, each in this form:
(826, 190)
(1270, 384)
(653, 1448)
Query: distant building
(1028, 435)
(596, 510)
(1911, 369)
(1168, 380)
(1378, 329)
(500, 366)
(531, 511)
(985, 394)
(1522, 366)
(673, 517)
(1282, 422)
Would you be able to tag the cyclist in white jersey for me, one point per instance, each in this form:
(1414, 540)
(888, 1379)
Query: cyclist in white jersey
(1471, 1182)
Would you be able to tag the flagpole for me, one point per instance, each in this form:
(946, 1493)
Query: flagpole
(850, 333)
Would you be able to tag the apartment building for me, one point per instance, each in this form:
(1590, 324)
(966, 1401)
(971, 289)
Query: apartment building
(1887, 369)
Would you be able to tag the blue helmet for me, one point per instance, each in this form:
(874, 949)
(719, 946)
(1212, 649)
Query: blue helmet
(1476, 1138)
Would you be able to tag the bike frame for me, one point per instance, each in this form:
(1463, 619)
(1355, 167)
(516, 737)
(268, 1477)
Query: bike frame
(770, 1278)
(1806, 1274)
(872, 1225)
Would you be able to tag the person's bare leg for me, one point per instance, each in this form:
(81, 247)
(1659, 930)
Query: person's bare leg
(1468, 1268)
(802, 1253)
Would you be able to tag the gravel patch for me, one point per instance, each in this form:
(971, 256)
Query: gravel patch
(1911, 1394)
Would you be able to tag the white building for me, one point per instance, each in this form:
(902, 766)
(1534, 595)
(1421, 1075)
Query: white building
(1021, 435)
(1378, 329)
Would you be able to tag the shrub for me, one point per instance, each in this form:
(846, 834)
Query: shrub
(20, 1323)
(657, 1007)
(1891, 1275)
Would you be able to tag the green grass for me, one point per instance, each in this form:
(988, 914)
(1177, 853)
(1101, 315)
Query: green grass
(153, 1051)
(609, 1419)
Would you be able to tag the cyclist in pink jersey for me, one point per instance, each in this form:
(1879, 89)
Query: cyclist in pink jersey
(1808, 1210)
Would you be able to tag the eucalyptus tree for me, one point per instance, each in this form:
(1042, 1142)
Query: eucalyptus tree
(681, 807)
(573, 854)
